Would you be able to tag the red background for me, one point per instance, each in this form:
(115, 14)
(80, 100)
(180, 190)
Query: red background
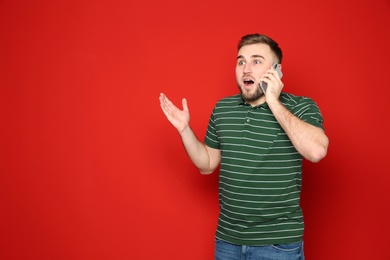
(91, 169)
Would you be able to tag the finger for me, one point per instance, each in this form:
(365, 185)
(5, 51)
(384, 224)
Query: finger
(276, 75)
(184, 104)
(164, 108)
(271, 75)
(266, 77)
(266, 80)
(162, 99)
(165, 104)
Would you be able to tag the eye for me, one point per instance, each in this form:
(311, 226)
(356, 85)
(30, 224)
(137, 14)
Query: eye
(241, 62)
(257, 62)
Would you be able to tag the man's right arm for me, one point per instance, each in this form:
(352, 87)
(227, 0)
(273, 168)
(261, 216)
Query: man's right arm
(205, 158)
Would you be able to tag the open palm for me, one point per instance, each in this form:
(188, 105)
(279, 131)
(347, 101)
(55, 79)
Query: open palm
(178, 118)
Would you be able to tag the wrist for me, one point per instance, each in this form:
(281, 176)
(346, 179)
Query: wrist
(273, 102)
(184, 130)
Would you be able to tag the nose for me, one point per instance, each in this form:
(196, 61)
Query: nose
(247, 68)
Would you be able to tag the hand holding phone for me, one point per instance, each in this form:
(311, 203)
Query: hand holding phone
(276, 67)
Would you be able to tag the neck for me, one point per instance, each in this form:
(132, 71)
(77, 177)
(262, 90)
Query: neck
(256, 102)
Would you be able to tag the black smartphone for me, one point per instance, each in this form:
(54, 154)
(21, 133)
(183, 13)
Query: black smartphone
(276, 67)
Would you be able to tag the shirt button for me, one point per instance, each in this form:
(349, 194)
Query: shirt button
(248, 120)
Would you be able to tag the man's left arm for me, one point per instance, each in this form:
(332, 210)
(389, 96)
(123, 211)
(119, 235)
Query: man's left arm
(309, 140)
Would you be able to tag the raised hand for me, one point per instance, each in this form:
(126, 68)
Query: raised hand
(179, 118)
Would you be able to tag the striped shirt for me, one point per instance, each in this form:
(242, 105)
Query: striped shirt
(260, 172)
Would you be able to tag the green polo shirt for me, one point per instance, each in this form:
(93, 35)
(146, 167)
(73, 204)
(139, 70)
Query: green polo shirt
(260, 173)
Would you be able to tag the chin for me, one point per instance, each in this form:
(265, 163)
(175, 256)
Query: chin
(251, 96)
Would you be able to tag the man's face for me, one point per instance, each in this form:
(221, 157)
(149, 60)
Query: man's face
(252, 61)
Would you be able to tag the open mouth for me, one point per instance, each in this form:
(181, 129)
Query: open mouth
(248, 82)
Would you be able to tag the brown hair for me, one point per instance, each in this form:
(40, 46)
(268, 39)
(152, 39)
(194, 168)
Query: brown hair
(261, 38)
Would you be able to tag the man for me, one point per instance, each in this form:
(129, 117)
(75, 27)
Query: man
(259, 140)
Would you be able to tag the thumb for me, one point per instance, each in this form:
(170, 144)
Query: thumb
(184, 103)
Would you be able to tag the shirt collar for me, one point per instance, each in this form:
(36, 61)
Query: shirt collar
(242, 102)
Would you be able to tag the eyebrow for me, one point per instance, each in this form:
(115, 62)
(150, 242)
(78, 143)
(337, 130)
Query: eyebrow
(253, 56)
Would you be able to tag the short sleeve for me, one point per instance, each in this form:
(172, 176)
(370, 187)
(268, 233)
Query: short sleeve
(211, 139)
(308, 111)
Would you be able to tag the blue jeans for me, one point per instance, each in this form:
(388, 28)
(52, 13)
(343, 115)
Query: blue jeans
(227, 251)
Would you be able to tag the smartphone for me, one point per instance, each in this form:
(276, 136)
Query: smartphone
(276, 67)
